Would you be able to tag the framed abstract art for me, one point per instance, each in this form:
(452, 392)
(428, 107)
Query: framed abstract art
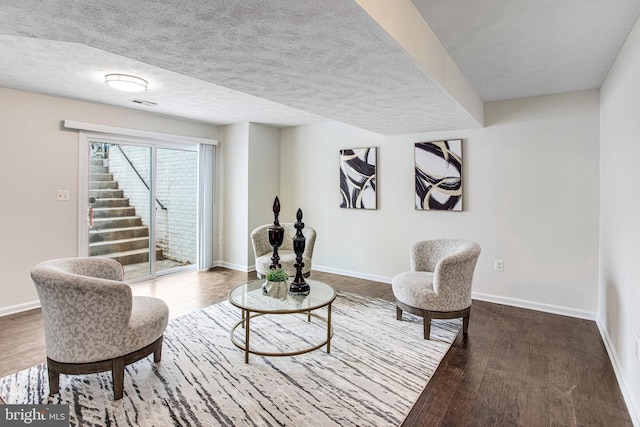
(438, 175)
(358, 178)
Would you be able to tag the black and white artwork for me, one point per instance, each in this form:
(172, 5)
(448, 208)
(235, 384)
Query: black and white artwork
(358, 178)
(439, 175)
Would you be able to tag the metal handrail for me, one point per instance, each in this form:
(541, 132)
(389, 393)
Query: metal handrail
(140, 176)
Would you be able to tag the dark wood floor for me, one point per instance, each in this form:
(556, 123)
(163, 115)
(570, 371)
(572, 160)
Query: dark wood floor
(517, 367)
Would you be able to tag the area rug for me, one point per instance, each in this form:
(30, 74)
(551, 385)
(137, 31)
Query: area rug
(375, 371)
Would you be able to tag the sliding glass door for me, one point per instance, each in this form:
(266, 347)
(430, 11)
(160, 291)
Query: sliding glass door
(142, 205)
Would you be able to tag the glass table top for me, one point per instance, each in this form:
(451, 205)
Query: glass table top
(275, 297)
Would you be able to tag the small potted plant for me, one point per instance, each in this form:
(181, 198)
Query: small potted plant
(276, 279)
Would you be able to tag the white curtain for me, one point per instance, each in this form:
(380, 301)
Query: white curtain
(206, 206)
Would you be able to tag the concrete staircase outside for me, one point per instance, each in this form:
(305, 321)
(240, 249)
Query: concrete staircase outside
(117, 232)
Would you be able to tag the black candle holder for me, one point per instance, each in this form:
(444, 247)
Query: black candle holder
(299, 286)
(276, 236)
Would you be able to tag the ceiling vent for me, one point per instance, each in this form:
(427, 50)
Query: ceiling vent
(143, 102)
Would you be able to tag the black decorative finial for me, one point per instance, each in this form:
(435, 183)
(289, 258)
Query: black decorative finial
(276, 236)
(276, 211)
(299, 285)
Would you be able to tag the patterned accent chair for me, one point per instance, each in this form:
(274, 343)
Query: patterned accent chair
(263, 251)
(91, 321)
(439, 283)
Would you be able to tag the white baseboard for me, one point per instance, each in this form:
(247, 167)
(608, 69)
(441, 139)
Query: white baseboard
(515, 302)
(232, 266)
(538, 306)
(634, 412)
(18, 308)
(352, 274)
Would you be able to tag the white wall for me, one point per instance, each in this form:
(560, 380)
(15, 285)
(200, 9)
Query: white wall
(264, 178)
(530, 198)
(251, 175)
(38, 158)
(234, 145)
(619, 291)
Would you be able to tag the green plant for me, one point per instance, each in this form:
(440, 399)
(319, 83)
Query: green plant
(277, 275)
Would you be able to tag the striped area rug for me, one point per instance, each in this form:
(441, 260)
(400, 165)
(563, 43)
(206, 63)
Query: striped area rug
(376, 370)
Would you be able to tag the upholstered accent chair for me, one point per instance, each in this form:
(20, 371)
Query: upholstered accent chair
(92, 323)
(263, 251)
(439, 283)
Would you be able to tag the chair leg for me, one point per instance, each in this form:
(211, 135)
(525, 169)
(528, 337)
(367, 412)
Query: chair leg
(157, 353)
(465, 324)
(117, 372)
(54, 381)
(426, 315)
(398, 313)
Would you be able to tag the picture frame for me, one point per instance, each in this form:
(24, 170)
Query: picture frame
(438, 175)
(358, 178)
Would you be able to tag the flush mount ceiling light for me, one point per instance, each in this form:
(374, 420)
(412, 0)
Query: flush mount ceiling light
(126, 82)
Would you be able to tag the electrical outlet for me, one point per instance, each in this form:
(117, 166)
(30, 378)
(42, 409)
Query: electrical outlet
(638, 347)
(63, 195)
(498, 265)
(221, 239)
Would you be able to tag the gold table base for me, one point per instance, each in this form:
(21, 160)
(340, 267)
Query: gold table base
(246, 318)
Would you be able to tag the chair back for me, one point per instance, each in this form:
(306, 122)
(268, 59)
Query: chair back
(85, 307)
(260, 239)
(425, 255)
(452, 262)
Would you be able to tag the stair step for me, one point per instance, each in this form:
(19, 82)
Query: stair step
(111, 202)
(109, 234)
(103, 185)
(116, 212)
(122, 222)
(100, 177)
(109, 194)
(132, 257)
(118, 233)
(117, 246)
(98, 169)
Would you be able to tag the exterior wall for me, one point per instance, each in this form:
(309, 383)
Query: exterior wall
(178, 192)
(128, 180)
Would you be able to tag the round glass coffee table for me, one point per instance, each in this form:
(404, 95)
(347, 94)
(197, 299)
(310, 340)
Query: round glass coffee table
(254, 301)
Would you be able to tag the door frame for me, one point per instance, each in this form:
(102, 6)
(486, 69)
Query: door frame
(88, 133)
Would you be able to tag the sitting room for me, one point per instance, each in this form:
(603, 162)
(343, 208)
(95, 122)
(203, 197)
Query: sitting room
(445, 185)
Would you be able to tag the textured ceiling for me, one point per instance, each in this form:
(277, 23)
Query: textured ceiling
(511, 49)
(291, 62)
(77, 71)
(328, 58)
